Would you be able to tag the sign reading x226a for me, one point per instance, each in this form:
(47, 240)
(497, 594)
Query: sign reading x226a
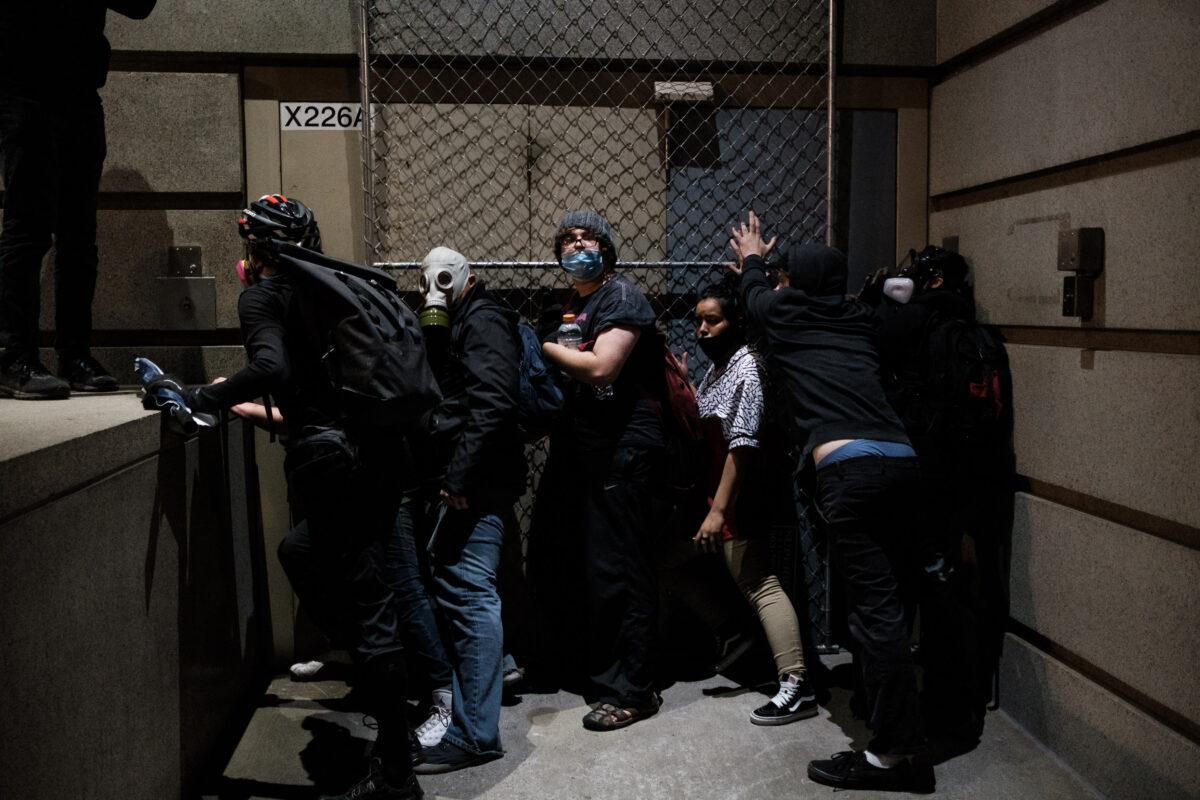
(320, 116)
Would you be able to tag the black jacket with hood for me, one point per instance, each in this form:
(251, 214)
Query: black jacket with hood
(820, 349)
(473, 443)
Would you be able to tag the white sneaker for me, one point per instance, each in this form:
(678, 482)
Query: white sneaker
(306, 670)
(430, 732)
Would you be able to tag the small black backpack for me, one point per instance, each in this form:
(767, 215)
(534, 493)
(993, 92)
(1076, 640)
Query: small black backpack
(368, 341)
(965, 392)
(540, 393)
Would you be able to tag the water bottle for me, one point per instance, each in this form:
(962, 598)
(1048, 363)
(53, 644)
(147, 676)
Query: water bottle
(569, 333)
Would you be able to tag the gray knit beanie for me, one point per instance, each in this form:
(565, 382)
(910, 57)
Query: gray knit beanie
(592, 221)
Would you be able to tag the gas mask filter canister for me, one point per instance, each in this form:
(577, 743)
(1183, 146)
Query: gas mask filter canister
(246, 273)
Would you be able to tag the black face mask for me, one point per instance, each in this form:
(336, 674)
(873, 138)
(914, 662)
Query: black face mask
(720, 348)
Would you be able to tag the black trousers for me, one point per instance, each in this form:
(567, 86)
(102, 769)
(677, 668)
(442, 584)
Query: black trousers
(334, 561)
(53, 154)
(592, 569)
(870, 506)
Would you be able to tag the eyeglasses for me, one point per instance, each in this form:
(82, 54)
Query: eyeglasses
(568, 239)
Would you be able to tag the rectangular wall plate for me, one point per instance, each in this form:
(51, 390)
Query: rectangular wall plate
(1081, 250)
(186, 304)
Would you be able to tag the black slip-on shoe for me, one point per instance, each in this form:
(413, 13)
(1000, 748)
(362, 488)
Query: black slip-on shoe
(25, 378)
(851, 770)
(86, 374)
(448, 757)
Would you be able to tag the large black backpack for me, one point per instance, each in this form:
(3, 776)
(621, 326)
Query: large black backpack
(368, 341)
(962, 393)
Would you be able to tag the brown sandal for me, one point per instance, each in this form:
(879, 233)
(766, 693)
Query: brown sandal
(607, 717)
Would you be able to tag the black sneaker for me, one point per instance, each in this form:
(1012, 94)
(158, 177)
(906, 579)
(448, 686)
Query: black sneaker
(795, 700)
(448, 757)
(85, 374)
(25, 378)
(851, 770)
(374, 787)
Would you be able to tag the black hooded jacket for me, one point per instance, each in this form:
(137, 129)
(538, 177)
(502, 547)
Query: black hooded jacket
(820, 349)
(473, 442)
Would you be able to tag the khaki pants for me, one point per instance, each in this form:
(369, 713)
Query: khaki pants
(747, 560)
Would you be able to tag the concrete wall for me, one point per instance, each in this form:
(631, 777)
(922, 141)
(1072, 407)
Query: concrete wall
(131, 585)
(1090, 118)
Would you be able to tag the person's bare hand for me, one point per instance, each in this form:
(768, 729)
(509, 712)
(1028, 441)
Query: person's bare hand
(456, 502)
(711, 532)
(748, 241)
(682, 358)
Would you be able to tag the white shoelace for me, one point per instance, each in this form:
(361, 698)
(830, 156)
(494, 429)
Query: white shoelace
(430, 732)
(786, 694)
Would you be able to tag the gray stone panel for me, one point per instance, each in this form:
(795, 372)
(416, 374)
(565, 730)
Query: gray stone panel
(887, 33)
(1102, 590)
(962, 24)
(1150, 239)
(626, 29)
(1123, 431)
(190, 364)
(128, 627)
(133, 252)
(172, 132)
(1121, 74)
(229, 26)
(1121, 751)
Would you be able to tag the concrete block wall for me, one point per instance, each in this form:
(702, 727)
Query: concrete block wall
(132, 585)
(1046, 116)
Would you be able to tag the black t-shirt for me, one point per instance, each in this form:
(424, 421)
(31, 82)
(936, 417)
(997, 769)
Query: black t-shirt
(626, 413)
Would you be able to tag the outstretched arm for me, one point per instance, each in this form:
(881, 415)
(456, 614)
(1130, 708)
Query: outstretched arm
(751, 251)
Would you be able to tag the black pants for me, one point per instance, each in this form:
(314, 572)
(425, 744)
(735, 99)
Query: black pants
(870, 505)
(596, 520)
(334, 560)
(53, 153)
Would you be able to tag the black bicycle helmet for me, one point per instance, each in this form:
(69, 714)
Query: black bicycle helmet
(935, 262)
(274, 216)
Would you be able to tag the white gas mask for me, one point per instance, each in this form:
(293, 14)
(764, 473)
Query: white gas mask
(444, 274)
(899, 289)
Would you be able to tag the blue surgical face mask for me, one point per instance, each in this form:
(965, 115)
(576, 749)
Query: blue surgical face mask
(584, 265)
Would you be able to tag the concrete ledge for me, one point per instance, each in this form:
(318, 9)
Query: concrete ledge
(50, 447)
(1120, 750)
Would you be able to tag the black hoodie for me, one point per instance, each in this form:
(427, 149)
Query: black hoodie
(820, 349)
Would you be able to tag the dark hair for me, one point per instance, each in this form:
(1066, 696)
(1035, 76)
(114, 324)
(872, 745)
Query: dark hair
(725, 292)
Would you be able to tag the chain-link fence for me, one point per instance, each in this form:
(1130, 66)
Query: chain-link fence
(491, 119)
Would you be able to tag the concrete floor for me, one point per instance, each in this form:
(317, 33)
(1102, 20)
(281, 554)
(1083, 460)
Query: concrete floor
(701, 746)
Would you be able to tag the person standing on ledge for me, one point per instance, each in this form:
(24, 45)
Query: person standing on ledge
(53, 59)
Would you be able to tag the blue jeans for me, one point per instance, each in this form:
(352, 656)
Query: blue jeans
(465, 557)
(419, 632)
